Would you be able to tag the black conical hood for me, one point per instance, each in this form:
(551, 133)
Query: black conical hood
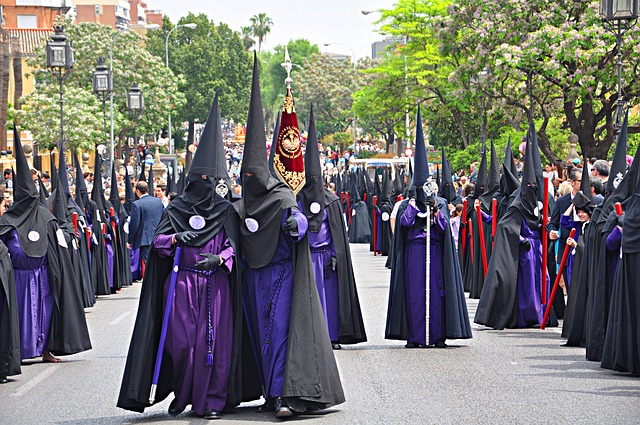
(181, 182)
(494, 171)
(508, 159)
(535, 150)
(438, 176)
(54, 174)
(23, 185)
(421, 166)
(529, 171)
(585, 182)
(82, 197)
(274, 141)
(59, 206)
(171, 183)
(150, 179)
(114, 196)
(312, 194)
(43, 193)
(265, 199)
(631, 227)
(142, 177)
(206, 160)
(96, 190)
(481, 177)
(63, 179)
(619, 164)
(129, 195)
(447, 189)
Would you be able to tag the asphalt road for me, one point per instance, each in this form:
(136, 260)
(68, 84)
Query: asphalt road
(498, 377)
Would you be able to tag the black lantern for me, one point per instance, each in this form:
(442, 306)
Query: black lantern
(102, 81)
(618, 10)
(135, 100)
(59, 52)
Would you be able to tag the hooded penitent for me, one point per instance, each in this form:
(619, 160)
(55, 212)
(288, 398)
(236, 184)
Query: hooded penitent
(446, 189)
(265, 199)
(312, 195)
(288, 162)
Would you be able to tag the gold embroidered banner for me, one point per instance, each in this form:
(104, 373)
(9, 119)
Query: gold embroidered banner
(288, 160)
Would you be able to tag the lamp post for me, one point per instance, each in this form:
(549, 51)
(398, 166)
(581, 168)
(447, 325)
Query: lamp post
(113, 42)
(102, 82)
(60, 63)
(353, 54)
(135, 106)
(619, 17)
(166, 51)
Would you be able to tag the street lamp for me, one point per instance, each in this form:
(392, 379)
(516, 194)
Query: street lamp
(60, 62)
(355, 136)
(166, 51)
(102, 82)
(113, 42)
(135, 106)
(619, 17)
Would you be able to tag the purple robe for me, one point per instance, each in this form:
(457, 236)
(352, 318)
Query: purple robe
(110, 255)
(268, 296)
(614, 242)
(321, 247)
(202, 300)
(415, 278)
(530, 309)
(134, 256)
(566, 222)
(34, 296)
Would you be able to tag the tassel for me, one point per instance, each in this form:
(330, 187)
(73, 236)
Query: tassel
(210, 359)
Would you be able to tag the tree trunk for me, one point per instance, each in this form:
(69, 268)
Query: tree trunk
(4, 87)
(190, 138)
(390, 138)
(17, 72)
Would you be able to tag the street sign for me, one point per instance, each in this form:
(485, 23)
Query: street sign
(408, 152)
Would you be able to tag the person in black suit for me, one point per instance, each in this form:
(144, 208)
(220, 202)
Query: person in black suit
(561, 205)
(145, 216)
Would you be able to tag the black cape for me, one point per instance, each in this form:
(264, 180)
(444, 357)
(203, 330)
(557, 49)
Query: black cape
(9, 329)
(457, 324)
(351, 324)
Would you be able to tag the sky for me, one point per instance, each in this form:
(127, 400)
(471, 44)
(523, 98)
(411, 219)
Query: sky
(320, 22)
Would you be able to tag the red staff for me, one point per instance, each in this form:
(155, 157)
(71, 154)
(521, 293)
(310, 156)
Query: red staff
(112, 215)
(483, 250)
(557, 282)
(618, 206)
(494, 220)
(470, 240)
(104, 233)
(74, 220)
(349, 207)
(545, 238)
(464, 229)
(375, 248)
(87, 232)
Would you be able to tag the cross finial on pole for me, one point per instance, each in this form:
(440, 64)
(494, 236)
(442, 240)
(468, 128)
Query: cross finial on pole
(288, 66)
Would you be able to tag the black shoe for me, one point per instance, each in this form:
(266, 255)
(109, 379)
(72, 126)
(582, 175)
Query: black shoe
(268, 406)
(282, 410)
(440, 344)
(211, 414)
(174, 410)
(3, 380)
(336, 346)
(411, 345)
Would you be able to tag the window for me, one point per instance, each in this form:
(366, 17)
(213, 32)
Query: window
(27, 21)
(97, 9)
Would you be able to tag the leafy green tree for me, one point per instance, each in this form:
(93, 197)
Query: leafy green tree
(246, 33)
(261, 26)
(82, 110)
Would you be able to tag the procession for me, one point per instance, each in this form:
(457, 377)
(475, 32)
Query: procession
(239, 244)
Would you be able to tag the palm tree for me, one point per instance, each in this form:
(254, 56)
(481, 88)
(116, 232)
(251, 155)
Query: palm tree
(261, 26)
(246, 33)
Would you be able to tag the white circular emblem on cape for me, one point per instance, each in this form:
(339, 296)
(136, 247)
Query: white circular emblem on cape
(196, 222)
(252, 224)
(33, 236)
(314, 207)
(385, 216)
(353, 213)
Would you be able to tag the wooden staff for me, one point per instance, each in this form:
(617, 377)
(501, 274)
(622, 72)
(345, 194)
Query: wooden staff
(565, 255)
(545, 238)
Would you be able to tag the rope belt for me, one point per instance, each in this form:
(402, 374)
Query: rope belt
(270, 308)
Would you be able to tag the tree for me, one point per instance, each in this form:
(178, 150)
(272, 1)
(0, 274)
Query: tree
(560, 50)
(209, 58)
(246, 33)
(83, 113)
(261, 26)
(329, 84)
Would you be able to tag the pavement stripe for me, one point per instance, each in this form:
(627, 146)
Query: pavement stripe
(34, 381)
(120, 318)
